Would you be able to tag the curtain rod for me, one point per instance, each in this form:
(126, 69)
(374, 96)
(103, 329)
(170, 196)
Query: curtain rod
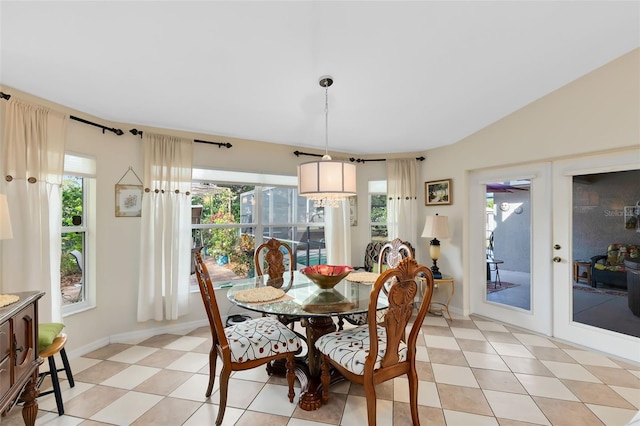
(136, 132)
(352, 159)
(118, 132)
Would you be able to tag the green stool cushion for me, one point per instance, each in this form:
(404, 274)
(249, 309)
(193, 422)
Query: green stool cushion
(46, 333)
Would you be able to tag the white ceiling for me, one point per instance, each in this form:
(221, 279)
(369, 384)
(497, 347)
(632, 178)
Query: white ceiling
(408, 75)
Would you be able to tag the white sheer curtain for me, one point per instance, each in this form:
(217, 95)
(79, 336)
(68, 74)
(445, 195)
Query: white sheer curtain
(337, 234)
(402, 194)
(33, 153)
(165, 249)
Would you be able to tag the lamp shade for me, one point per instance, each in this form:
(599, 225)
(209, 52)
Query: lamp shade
(436, 227)
(5, 220)
(327, 178)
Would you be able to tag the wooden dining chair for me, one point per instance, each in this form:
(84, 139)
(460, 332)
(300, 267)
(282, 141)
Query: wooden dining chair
(390, 256)
(391, 353)
(273, 262)
(244, 345)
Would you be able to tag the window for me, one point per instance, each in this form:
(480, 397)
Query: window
(233, 213)
(378, 210)
(78, 201)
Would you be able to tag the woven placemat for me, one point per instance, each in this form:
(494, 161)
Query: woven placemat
(363, 277)
(7, 299)
(260, 294)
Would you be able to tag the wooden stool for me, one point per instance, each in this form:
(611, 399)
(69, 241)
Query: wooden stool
(57, 346)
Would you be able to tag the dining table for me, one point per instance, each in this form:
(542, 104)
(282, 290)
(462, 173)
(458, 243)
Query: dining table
(314, 308)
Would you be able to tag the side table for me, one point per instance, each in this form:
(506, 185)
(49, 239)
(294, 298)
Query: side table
(577, 276)
(439, 307)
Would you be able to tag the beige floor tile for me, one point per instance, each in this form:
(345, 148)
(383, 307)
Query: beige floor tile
(459, 418)
(273, 399)
(476, 346)
(241, 393)
(496, 336)
(594, 393)
(572, 371)
(435, 321)
(442, 342)
(463, 323)
(454, 375)
(515, 407)
(611, 415)
(164, 382)
(447, 356)
(464, 399)
(468, 333)
(432, 330)
(207, 414)
(512, 349)
(384, 390)
(567, 413)
(107, 351)
(330, 413)
(133, 354)
(100, 372)
(630, 394)
(425, 372)
(252, 418)
(527, 366)
(628, 365)
(161, 340)
(201, 332)
(91, 401)
(486, 361)
(161, 358)
(169, 412)
(355, 411)
(548, 387)
(428, 415)
(534, 340)
(490, 326)
(427, 392)
(509, 422)
(498, 380)
(550, 354)
(186, 343)
(126, 409)
(591, 358)
(614, 376)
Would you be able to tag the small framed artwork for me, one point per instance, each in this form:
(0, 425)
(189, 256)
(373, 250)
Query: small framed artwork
(128, 200)
(438, 192)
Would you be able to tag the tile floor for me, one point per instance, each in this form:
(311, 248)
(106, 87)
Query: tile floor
(472, 372)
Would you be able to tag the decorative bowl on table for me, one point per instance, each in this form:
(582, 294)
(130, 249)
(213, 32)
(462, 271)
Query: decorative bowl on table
(326, 276)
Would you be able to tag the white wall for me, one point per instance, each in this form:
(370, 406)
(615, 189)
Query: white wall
(598, 112)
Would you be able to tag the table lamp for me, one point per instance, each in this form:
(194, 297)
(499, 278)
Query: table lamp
(435, 227)
(5, 219)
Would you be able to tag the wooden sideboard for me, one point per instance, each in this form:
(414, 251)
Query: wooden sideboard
(19, 360)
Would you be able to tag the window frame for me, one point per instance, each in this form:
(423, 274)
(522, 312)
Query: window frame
(83, 166)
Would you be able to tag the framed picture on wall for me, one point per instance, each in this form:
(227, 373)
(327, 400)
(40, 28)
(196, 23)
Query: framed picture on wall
(438, 192)
(128, 200)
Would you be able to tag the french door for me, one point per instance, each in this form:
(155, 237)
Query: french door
(551, 231)
(521, 225)
(565, 173)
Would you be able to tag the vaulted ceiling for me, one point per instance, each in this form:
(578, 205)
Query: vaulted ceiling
(408, 76)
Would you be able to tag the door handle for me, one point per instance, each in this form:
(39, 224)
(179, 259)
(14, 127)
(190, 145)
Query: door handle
(557, 259)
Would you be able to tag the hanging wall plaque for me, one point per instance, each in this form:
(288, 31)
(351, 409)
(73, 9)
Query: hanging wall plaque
(129, 197)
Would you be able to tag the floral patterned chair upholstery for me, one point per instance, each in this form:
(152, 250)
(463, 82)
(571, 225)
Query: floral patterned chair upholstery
(610, 268)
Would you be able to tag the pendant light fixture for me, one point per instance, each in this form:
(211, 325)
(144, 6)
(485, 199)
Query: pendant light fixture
(327, 181)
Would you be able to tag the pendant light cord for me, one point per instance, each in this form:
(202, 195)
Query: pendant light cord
(326, 120)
